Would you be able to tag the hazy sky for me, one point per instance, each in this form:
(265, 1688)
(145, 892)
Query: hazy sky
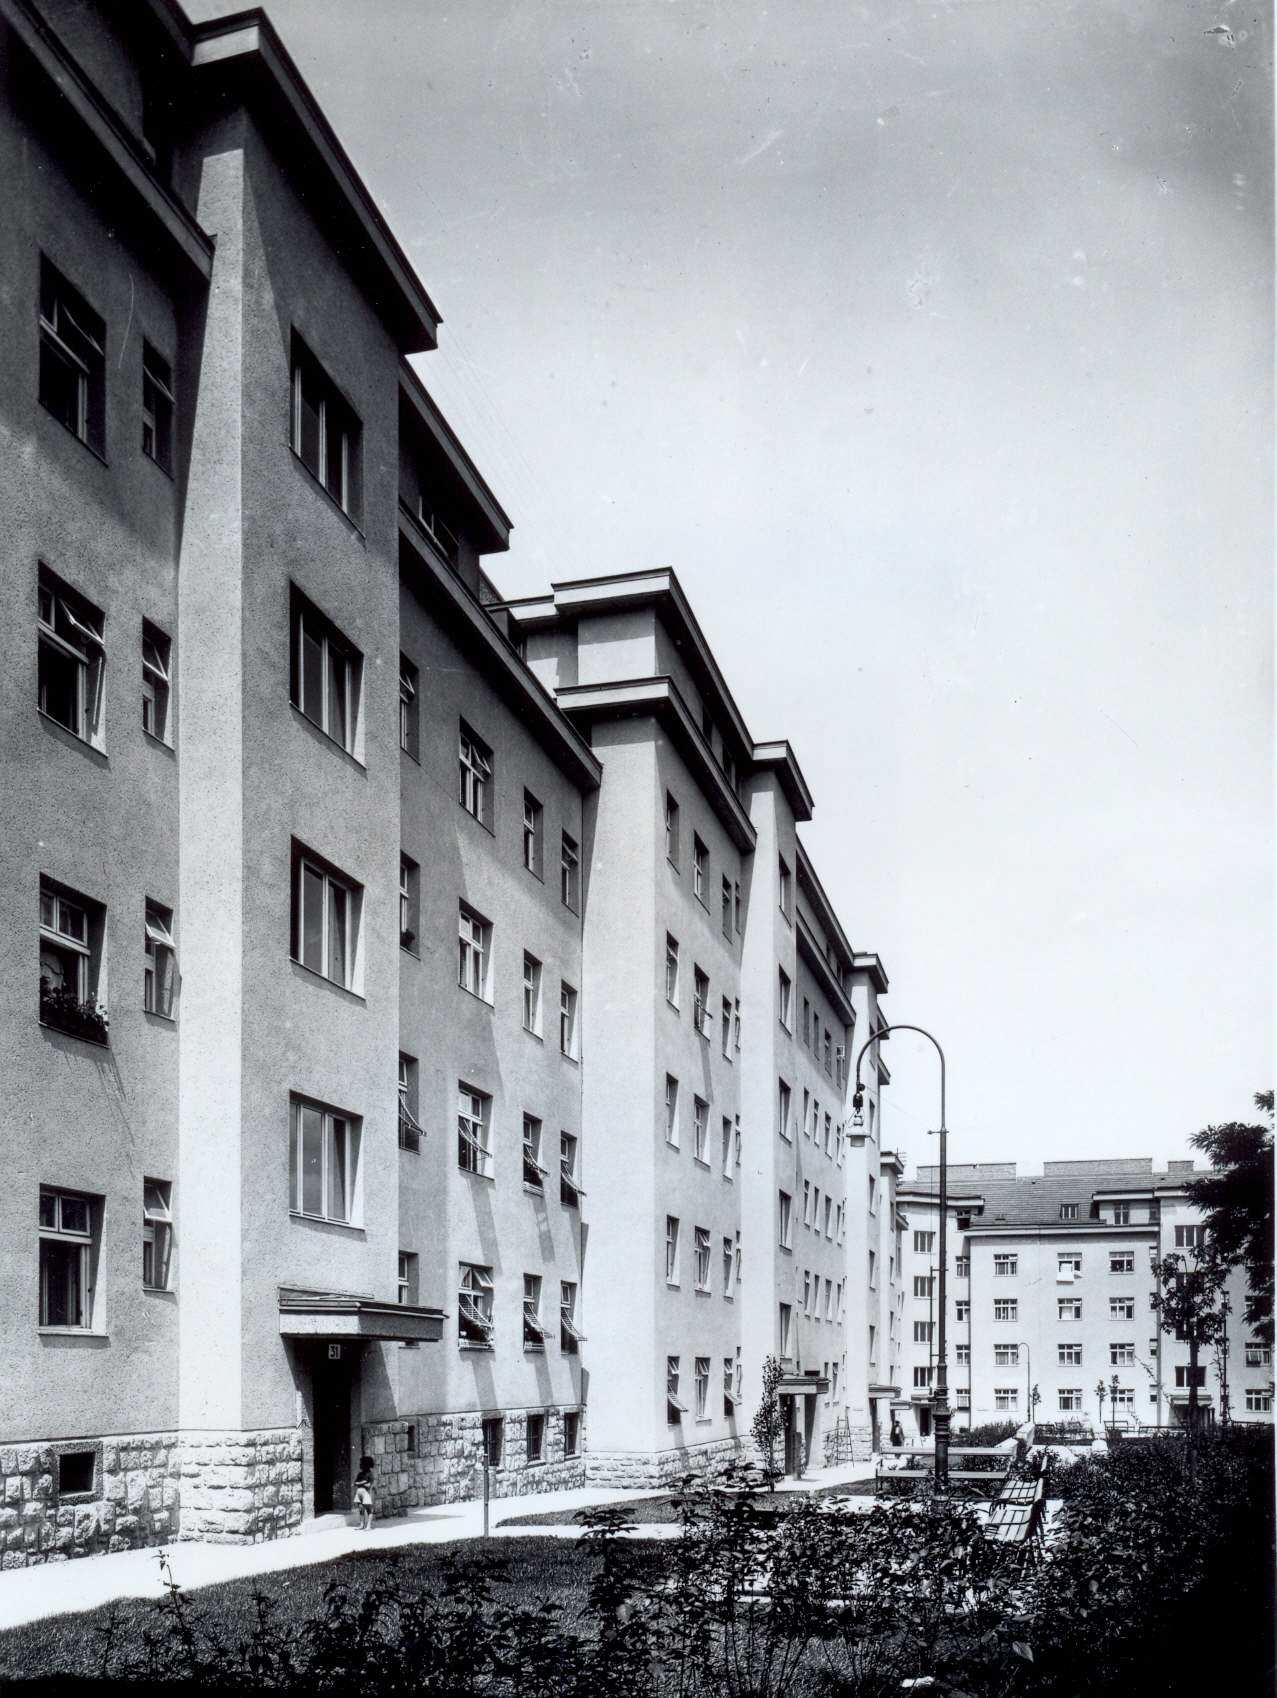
(932, 345)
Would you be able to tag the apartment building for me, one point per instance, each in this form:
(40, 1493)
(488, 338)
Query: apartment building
(1049, 1285)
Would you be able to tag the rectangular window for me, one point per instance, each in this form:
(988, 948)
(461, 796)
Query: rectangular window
(727, 908)
(727, 1028)
(700, 1001)
(409, 714)
(671, 1110)
(675, 1408)
(570, 1335)
(1123, 1397)
(671, 830)
(531, 994)
(702, 1257)
(534, 1173)
(922, 1332)
(409, 1124)
(1259, 1355)
(567, 1019)
(786, 887)
(828, 1056)
(782, 1110)
(69, 1234)
(1121, 1355)
(323, 1162)
(962, 1354)
(474, 1306)
(784, 1326)
(72, 381)
(700, 871)
(923, 1242)
(701, 1369)
(1122, 1261)
(1258, 1402)
(535, 1438)
(806, 1202)
(71, 660)
(159, 969)
(157, 407)
(533, 1325)
(569, 1184)
(1070, 1308)
(963, 1397)
(671, 1249)
(474, 1130)
(570, 873)
(326, 675)
(571, 1432)
(156, 667)
(1006, 1265)
(785, 1000)
(700, 1130)
(474, 775)
(921, 1378)
(493, 1440)
(157, 1233)
(1006, 1309)
(729, 1386)
(533, 834)
(923, 1285)
(71, 933)
(406, 1282)
(1121, 1308)
(962, 1267)
(736, 1025)
(1005, 1355)
(409, 906)
(738, 1259)
(737, 906)
(1184, 1377)
(962, 1310)
(1068, 1268)
(1070, 1355)
(439, 530)
(1121, 1214)
(474, 946)
(1070, 1399)
(1189, 1237)
(1068, 1211)
(806, 1026)
(785, 1221)
(829, 1206)
(1006, 1397)
(727, 1268)
(671, 970)
(326, 431)
(325, 918)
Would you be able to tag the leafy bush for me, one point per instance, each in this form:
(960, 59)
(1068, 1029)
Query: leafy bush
(992, 1432)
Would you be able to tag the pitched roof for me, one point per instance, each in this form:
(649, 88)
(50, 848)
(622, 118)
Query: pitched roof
(1034, 1199)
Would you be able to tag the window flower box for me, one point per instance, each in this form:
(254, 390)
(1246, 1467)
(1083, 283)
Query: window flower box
(65, 1012)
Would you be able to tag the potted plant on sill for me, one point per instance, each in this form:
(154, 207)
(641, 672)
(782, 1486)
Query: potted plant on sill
(63, 1009)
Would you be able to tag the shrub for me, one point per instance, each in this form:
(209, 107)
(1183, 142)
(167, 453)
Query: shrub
(993, 1432)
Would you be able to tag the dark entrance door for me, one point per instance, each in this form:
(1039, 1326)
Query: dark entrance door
(874, 1440)
(330, 1418)
(924, 1420)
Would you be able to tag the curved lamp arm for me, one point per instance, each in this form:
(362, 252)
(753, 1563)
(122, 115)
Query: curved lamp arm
(858, 1095)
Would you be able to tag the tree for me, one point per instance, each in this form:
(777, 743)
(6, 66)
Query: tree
(1189, 1302)
(768, 1425)
(1236, 1200)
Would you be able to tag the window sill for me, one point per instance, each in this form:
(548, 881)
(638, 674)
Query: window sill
(471, 1344)
(470, 1173)
(323, 979)
(672, 1144)
(574, 1060)
(159, 742)
(539, 1036)
(476, 996)
(352, 523)
(64, 734)
(672, 1285)
(72, 1332)
(160, 466)
(75, 436)
(484, 825)
(703, 1290)
(76, 1037)
(533, 1349)
(415, 759)
(531, 1190)
(343, 1226)
(701, 1162)
(326, 739)
(163, 1020)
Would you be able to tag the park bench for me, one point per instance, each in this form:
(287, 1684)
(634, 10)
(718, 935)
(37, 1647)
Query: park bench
(974, 1473)
(1016, 1516)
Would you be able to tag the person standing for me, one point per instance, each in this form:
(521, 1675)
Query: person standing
(364, 1492)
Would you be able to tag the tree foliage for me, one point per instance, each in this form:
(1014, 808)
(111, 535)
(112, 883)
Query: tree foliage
(1236, 1200)
(767, 1428)
(1191, 1303)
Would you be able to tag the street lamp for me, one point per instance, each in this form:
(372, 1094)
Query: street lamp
(940, 1394)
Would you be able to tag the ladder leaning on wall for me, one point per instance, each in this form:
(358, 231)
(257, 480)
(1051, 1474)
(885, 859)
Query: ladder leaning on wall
(840, 1447)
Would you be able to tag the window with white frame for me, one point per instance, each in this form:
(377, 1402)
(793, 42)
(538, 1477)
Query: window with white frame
(409, 713)
(1258, 1401)
(736, 1140)
(736, 1025)
(1121, 1308)
(473, 952)
(410, 1133)
(70, 1231)
(72, 379)
(807, 1202)
(671, 829)
(727, 1028)
(785, 1228)
(671, 1249)
(675, 1408)
(783, 1104)
(700, 1002)
(533, 834)
(570, 1188)
(962, 1309)
(1068, 1211)
(1070, 1399)
(1070, 1355)
(923, 1242)
(1006, 1309)
(785, 999)
(737, 1276)
(157, 1233)
(474, 1304)
(671, 969)
(157, 407)
(700, 871)
(671, 1110)
(1005, 1355)
(922, 1331)
(159, 965)
(474, 1130)
(1069, 1308)
(325, 919)
(531, 994)
(534, 1172)
(727, 908)
(1123, 1397)
(1006, 1397)
(962, 1354)
(570, 1334)
(701, 1237)
(1121, 1214)
(785, 886)
(701, 1381)
(962, 1398)
(729, 1386)
(1006, 1266)
(409, 903)
(1068, 1267)
(1189, 1237)
(72, 929)
(327, 671)
(784, 1327)
(326, 431)
(570, 873)
(323, 1162)
(700, 1130)
(1122, 1261)
(1258, 1354)
(921, 1377)
(533, 1325)
(829, 1211)
(71, 659)
(962, 1267)
(1121, 1355)
(567, 1019)
(406, 1282)
(157, 655)
(727, 1267)
(474, 771)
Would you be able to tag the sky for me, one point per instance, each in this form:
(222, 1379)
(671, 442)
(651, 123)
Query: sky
(932, 345)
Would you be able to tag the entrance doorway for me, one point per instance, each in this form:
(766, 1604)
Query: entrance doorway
(924, 1420)
(331, 1373)
(874, 1440)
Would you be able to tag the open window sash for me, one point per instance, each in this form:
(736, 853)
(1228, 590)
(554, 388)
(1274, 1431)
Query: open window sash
(79, 627)
(532, 1320)
(570, 1328)
(153, 662)
(533, 1172)
(567, 1178)
(410, 1129)
(675, 1402)
(473, 1315)
(471, 1140)
(157, 931)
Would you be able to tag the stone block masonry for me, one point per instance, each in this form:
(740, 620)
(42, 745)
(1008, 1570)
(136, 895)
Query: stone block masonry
(241, 1488)
(62, 1498)
(438, 1458)
(664, 1467)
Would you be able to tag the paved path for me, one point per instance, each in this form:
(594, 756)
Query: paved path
(60, 1588)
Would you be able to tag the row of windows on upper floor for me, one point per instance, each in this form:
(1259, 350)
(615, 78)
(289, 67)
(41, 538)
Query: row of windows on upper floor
(831, 1140)
(676, 1408)
(1071, 1399)
(476, 1310)
(1006, 1265)
(1119, 1354)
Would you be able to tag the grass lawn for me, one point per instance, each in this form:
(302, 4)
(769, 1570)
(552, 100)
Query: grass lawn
(662, 1509)
(69, 1647)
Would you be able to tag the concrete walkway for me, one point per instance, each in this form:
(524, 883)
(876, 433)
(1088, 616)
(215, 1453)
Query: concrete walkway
(62, 1588)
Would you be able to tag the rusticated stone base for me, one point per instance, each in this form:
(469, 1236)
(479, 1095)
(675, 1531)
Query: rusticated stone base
(438, 1458)
(663, 1467)
(241, 1488)
(130, 1500)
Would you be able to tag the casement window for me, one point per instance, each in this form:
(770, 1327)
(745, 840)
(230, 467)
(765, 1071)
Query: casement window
(325, 919)
(1070, 1308)
(873, 1347)
(671, 1110)
(701, 1381)
(1005, 1355)
(736, 1140)
(806, 1025)
(675, 1408)
(738, 1258)
(323, 1162)
(157, 652)
(671, 969)
(785, 886)
(873, 1271)
(828, 1054)
(535, 1438)
(923, 1285)
(326, 431)
(727, 1267)
(1070, 1399)
(806, 1113)
(1070, 1355)
(570, 1188)
(567, 1019)
(1184, 1377)
(410, 1133)
(1006, 1266)
(159, 969)
(406, 1285)
(327, 673)
(700, 871)
(738, 909)
(493, 1431)
(1121, 1355)
(921, 1378)
(474, 1304)
(570, 1334)
(531, 994)
(534, 1173)
(962, 1398)
(1259, 1355)
(1121, 1214)
(72, 930)
(71, 661)
(474, 1130)
(701, 1234)
(1189, 1237)
(922, 1242)
(873, 1195)
(700, 1001)
(1123, 1397)
(962, 1354)
(409, 903)
(474, 774)
(840, 1067)
(828, 1132)
(570, 873)
(922, 1331)
(72, 382)
(784, 1327)
(700, 1130)
(571, 1432)
(533, 1325)
(785, 1225)
(157, 407)
(736, 1025)
(1068, 1211)
(70, 1235)
(727, 1029)
(1006, 1397)
(807, 1202)
(474, 946)
(962, 1309)
(727, 908)
(1258, 1402)
(729, 1386)
(829, 1209)
(533, 834)
(785, 1000)
(783, 1103)
(1068, 1268)
(1006, 1309)
(962, 1267)
(409, 712)
(671, 1249)
(1121, 1308)
(671, 830)
(157, 1233)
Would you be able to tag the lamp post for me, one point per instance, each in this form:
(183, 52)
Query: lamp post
(940, 1394)
(1113, 1390)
